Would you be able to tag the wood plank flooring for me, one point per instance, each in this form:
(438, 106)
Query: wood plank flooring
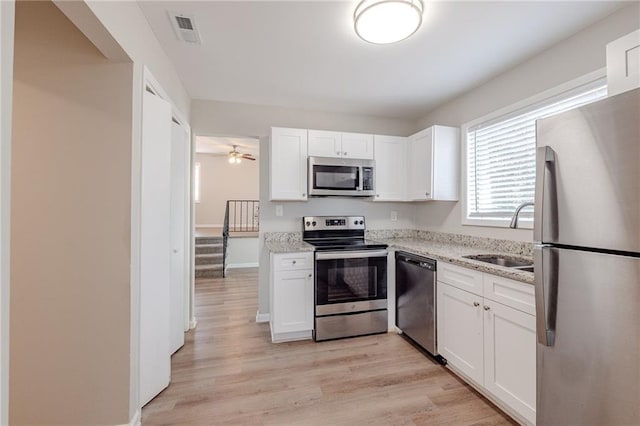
(228, 372)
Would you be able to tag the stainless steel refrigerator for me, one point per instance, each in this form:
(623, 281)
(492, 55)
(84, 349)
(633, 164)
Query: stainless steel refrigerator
(587, 264)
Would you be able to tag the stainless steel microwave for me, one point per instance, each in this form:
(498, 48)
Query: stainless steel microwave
(341, 177)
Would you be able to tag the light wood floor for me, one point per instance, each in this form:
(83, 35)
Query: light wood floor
(228, 372)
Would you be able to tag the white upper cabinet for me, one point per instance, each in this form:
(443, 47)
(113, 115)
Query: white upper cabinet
(623, 64)
(433, 166)
(288, 164)
(324, 143)
(390, 153)
(357, 145)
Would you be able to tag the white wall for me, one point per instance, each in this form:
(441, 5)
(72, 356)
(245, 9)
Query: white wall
(234, 119)
(7, 10)
(221, 181)
(571, 58)
(242, 252)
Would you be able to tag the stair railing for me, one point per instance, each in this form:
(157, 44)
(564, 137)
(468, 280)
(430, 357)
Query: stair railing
(240, 216)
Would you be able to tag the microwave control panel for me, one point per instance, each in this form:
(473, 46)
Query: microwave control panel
(367, 178)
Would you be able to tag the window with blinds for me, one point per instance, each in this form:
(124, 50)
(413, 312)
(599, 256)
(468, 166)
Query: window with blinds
(501, 155)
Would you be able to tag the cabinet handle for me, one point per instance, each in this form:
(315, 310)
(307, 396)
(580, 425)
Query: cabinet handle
(426, 194)
(476, 304)
(309, 275)
(338, 152)
(304, 194)
(344, 153)
(294, 262)
(486, 308)
(378, 195)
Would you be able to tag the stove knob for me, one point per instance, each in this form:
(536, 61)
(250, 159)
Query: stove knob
(314, 223)
(355, 222)
(307, 223)
(362, 222)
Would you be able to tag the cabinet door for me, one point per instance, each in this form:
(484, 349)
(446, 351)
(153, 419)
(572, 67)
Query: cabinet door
(510, 357)
(460, 330)
(292, 307)
(623, 64)
(390, 153)
(288, 164)
(357, 145)
(421, 166)
(325, 144)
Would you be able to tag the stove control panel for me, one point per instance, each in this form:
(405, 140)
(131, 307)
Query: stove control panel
(320, 223)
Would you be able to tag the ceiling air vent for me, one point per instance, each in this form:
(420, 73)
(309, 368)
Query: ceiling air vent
(185, 27)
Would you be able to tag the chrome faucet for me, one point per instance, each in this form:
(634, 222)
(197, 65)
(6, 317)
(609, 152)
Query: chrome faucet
(514, 219)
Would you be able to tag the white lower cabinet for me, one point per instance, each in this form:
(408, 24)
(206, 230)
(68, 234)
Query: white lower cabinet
(460, 330)
(510, 357)
(291, 289)
(490, 343)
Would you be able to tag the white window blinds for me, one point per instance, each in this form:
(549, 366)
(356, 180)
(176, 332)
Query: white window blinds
(501, 154)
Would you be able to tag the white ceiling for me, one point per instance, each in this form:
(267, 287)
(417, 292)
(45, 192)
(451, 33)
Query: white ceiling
(305, 54)
(223, 145)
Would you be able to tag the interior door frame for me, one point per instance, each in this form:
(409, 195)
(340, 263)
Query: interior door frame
(7, 22)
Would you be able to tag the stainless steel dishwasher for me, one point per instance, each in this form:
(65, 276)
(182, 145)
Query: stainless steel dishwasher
(416, 300)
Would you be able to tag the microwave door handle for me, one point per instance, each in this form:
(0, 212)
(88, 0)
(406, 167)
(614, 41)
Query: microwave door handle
(360, 178)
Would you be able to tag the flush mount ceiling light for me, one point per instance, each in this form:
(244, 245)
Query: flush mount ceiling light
(387, 21)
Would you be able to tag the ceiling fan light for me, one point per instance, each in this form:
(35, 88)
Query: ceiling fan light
(232, 159)
(387, 21)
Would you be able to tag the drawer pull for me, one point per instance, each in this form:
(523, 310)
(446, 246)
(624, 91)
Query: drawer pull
(476, 304)
(486, 308)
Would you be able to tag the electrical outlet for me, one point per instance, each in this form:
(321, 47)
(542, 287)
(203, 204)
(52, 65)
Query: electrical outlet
(279, 210)
(394, 216)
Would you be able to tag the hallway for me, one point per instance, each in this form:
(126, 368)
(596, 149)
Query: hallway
(228, 372)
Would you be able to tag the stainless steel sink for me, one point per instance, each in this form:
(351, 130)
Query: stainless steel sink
(508, 261)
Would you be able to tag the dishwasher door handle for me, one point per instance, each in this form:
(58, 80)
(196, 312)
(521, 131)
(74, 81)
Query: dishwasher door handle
(425, 265)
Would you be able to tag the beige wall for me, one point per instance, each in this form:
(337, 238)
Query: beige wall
(70, 241)
(574, 57)
(221, 181)
(7, 9)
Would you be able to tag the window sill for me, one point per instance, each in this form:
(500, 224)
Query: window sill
(497, 223)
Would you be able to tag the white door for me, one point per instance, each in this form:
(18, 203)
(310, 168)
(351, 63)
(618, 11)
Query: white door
(288, 160)
(460, 330)
(179, 209)
(155, 246)
(510, 357)
(357, 145)
(420, 165)
(325, 144)
(293, 301)
(390, 179)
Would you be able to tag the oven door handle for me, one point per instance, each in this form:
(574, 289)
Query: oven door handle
(333, 255)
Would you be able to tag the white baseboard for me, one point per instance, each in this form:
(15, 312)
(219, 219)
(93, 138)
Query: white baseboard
(208, 226)
(262, 317)
(242, 265)
(136, 420)
(193, 323)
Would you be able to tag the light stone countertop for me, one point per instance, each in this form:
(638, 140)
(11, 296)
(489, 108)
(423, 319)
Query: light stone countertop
(439, 246)
(453, 253)
(287, 246)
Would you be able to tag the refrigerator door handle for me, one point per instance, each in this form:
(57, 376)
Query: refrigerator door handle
(546, 212)
(545, 260)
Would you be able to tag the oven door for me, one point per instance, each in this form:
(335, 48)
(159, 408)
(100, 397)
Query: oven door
(350, 281)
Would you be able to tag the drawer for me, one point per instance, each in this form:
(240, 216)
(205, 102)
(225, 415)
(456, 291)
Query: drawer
(292, 261)
(463, 278)
(518, 295)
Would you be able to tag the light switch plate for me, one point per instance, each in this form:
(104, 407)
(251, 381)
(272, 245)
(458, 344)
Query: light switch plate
(279, 210)
(394, 216)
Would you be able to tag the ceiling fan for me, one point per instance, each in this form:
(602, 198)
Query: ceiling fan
(235, 156)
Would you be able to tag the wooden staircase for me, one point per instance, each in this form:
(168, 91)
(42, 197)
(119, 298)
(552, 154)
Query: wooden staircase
(209, 257)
